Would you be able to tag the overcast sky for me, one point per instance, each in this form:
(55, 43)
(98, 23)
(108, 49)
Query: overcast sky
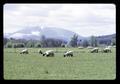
(84, 19)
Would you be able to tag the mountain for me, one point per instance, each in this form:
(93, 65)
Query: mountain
(107, 36)
(36, 32)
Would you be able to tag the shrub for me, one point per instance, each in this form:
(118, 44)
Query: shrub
(37, 45)
(9, 45)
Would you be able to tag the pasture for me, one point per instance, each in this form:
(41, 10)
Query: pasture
(82, 66)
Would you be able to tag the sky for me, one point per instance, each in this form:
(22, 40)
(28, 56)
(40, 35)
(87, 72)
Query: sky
(84, 19)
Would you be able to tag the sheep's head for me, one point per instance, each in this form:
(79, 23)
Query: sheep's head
(43, 54)
(40, 52)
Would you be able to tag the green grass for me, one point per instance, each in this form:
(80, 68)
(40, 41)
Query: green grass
(83, 66)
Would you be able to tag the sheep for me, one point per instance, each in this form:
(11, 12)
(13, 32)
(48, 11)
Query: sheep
(114, 46)
(47, 53)
(68, 53)
(90, 47)
(109, 46)
(25, 51)
(80, 47)
(94, 50)
(107, 49)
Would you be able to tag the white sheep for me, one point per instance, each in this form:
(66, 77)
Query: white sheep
(80, 47)
(107, 49)
(109, 46)
(47, 53)
(68, 53)
(90, 47)
(114, 46)
(94, 50)
(25, 51)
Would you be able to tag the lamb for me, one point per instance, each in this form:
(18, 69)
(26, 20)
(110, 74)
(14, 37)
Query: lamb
(25, 51)
(68, 53)
(94, 50)
(47, 53)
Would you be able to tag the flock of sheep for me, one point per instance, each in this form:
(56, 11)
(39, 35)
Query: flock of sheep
(69, 53)
(48, 53)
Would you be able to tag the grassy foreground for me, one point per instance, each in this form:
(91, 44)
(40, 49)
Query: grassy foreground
(83, 66)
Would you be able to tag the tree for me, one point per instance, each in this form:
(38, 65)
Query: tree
(79, 43)
(85, 43)
(73, 41)
(5, 41)
(9, 45)
(53, 42)
(38, 45)
(93, 41)
(62, 45)
(18, 45)
(30, 44)
(113, 42)
(43, 41)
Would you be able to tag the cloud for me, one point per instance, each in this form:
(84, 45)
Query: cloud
(75, 17)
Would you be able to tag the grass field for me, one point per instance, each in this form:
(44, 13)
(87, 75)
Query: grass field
(83, 66)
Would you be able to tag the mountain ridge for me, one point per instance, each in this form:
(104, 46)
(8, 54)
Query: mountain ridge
(36, 32)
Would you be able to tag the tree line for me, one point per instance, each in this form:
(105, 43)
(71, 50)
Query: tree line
(50, 42)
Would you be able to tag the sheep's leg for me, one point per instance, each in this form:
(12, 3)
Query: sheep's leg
(47, 55)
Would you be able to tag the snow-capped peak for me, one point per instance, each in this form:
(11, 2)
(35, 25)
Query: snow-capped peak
(37, 33)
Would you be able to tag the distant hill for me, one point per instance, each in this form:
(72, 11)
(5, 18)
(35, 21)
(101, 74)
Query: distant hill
(109, 37)
(36, 32)
(106, 39)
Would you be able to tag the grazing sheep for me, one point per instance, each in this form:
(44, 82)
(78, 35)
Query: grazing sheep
(90, 47)
(80, 47)
(25, 51)
(114, 46)
(47, 53)
(109, 46)
(68, 53)
(106, 50)
(94, 50)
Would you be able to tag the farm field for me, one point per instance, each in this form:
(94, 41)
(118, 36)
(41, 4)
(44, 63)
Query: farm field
(82, 66)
